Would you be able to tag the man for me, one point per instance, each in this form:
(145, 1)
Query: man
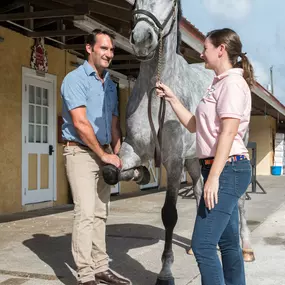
(92, 134)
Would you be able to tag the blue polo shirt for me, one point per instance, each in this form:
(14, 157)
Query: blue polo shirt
(82, 87)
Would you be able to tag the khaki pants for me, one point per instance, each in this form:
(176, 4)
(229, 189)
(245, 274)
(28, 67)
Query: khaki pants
(91, 196)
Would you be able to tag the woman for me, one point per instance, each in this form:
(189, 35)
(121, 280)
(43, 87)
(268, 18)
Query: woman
(220, 123)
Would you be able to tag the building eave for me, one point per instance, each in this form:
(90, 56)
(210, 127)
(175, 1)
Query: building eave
(266, 96)
(194, 38)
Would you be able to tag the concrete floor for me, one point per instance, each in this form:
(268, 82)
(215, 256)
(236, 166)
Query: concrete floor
(35, 246)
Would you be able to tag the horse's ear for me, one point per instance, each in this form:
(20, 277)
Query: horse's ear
(132, 20)
(135, 3)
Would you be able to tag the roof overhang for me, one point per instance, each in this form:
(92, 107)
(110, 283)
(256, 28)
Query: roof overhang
(267, 97)
(87, 24)
(191, 41)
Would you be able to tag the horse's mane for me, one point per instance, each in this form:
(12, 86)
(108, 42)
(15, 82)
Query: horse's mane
(179, 17)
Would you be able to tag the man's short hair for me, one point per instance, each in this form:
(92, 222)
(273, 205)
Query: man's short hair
(91, 38)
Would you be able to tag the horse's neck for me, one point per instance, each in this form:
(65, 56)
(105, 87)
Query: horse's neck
(168, 60)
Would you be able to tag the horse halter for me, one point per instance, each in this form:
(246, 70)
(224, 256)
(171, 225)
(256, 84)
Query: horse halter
(155, 20)
(162, 107)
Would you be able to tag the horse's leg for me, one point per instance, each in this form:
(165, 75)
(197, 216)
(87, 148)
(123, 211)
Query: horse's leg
(130, 158)
(131, 169)
(247, 251)
(194, 169)
(169, 219)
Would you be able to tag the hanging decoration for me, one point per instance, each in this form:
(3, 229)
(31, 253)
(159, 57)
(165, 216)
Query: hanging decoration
(39, 59)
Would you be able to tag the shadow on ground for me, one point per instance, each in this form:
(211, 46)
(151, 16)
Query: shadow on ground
(56, 251)
(275, 240)
(253, 223)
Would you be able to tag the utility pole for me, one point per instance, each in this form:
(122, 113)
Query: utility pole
(271, 79)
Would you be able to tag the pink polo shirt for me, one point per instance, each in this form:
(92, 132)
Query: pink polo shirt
(228, 97)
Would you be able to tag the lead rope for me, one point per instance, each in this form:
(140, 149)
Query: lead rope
(162, 106)
(161, 114)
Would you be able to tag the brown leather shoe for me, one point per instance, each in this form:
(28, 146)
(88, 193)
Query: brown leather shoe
(88, 283)
(108, 277)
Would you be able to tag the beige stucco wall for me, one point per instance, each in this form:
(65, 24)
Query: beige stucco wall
(15, 52)
(124, 93)
(163, 177)
(10, 118)
(262, 131)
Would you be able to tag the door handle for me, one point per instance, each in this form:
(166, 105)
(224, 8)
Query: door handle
(50, 149)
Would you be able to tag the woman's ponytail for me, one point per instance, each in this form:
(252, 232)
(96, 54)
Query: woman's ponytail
(248, 73)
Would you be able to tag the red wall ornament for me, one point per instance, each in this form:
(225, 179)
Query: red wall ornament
(39, 59)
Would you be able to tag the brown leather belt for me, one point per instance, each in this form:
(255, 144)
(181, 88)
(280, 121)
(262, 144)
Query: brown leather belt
(73, 143)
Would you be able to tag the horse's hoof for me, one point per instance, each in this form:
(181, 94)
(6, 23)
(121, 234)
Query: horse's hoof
(165, 281)
(110, 174)
(248, 255)
(190, 251)
(143, 177)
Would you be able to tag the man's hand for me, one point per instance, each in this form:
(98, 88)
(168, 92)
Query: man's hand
(112, 159)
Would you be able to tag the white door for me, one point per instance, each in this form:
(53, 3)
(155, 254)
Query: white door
(154, 176)
(38, 133)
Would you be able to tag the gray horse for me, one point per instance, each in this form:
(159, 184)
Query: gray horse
(156, 20)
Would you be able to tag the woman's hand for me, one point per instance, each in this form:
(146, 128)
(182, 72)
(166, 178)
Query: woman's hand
(211, 189)
(164, 91)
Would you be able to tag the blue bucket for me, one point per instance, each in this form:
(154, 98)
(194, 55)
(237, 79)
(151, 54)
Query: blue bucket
(276, 170)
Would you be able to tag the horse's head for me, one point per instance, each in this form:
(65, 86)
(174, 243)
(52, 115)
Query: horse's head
(151, 19)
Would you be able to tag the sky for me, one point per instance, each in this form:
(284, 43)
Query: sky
(261, 27)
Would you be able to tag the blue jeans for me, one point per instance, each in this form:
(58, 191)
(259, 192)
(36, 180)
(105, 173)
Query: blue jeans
(220, 226)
